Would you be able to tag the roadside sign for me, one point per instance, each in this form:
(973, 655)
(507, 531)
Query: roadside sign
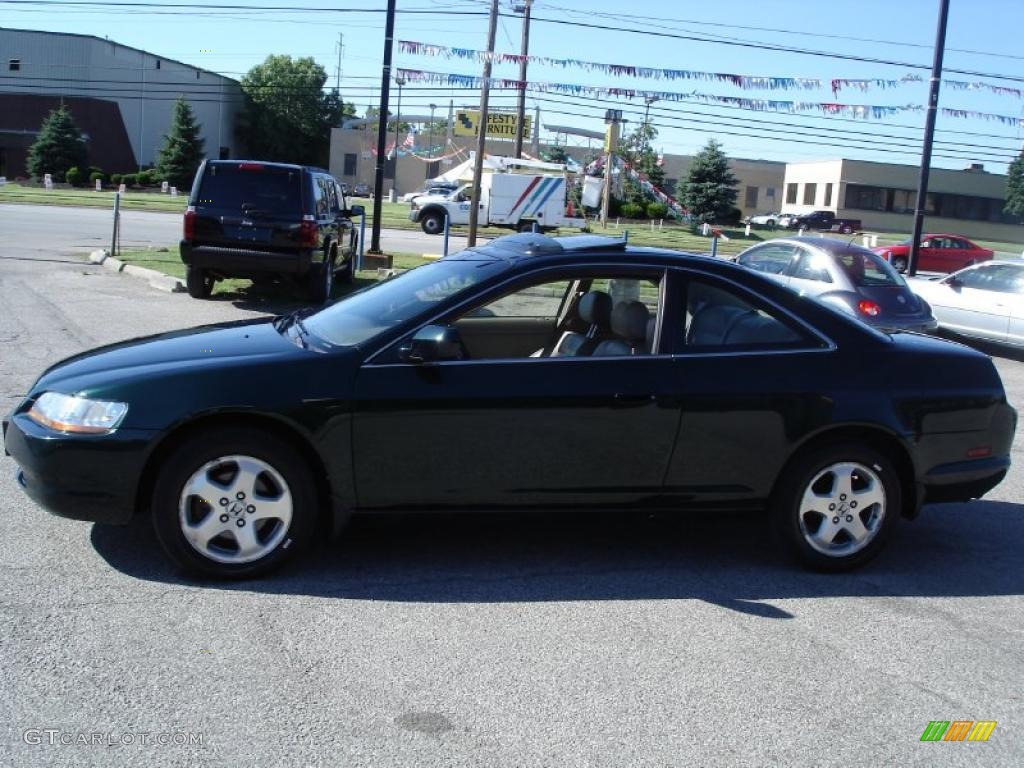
(500, 125)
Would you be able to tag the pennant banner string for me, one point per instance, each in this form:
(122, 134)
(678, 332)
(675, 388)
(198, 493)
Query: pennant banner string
(863, 111)
(746, 82)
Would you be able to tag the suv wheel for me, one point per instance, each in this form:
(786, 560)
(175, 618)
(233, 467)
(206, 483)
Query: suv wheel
(321, 281)
(198, 282)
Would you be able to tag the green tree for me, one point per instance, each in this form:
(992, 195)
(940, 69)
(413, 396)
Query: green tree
(60, 146)
(1015, 187)
(182, 152)
(288, 115)
(710, 188)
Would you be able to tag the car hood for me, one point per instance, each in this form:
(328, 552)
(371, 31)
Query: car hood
(900, 250)
(193, 348)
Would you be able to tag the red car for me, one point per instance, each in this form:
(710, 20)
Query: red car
(938, 253)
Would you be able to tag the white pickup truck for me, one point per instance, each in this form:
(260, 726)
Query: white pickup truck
(514, 200)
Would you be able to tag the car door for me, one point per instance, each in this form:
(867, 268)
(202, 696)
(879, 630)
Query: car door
(514, 431)
(1015, 297)
(969, 303)
(811, 274)
(742, 372)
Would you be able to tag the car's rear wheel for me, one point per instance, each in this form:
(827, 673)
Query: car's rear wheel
(321, 281)
(348, 272)
(432, 223)
(233, 503)
(836, 506)
(899, 263)
(198, 282)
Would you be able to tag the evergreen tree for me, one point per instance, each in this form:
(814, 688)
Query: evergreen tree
(182, 152)
(1015, 187)
(710, 189)
(60, 146)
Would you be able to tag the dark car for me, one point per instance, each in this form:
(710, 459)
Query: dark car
(822, 220)
(847, 276)
(526, 373)
(938, 253)
(362, 190)
(267, 221)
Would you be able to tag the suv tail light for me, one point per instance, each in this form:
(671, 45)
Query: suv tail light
(189, 232)
(869, 308)
(307, 232)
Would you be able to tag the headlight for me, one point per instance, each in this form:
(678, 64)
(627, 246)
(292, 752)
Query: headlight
(68, 413)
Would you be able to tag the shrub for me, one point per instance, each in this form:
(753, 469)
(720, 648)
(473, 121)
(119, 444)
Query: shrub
(99, 176)
(115, 178)
(657, 210)
(632, 211)
(74, 177)
(144, 178)
(130, 179)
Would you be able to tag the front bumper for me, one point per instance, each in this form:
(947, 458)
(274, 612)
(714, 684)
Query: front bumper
(414, 215)
(81, 477)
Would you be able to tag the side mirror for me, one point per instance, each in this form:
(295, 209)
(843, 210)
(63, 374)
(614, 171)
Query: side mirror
(432, 344)
(357, 210)
(954, 282)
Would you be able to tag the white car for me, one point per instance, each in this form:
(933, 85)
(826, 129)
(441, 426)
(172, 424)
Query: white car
(433, 191)
(985, 301)
(765, 219)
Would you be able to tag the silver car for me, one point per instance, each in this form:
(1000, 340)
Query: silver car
(984, 301)
(844, 275)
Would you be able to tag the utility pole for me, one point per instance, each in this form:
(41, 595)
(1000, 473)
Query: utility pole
(337, 71)
(382, 126)
(929, 132)
(524, 50)
(611, 141)
(647, 121)
(430, 138)
(481, 140)
(399, 81)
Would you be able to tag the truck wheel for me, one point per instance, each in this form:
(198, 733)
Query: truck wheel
(321, 281)
(432, 223)
(525, 226)
(198, 282)
(846, 229)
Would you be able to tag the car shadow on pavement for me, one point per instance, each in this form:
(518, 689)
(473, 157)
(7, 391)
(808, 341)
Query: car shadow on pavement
(278, 298)
(729, 559)
(990, 349)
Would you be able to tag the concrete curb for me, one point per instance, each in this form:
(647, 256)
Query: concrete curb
(156, 279)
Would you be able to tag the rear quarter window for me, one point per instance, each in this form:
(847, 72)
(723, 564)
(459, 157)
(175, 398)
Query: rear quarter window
(261, 189)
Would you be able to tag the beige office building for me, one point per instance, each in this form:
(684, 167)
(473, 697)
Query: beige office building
(882, 195)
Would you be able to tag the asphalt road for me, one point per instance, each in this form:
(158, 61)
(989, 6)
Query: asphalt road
(585, 640)
(41, 230)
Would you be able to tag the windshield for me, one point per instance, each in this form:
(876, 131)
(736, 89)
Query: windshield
(865, 269)
(390, 303)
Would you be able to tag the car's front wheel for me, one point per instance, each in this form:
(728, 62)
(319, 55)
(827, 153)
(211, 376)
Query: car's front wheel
(837, 506)
(199, 282)
(321, 281)
(233, 503)
(432, 223)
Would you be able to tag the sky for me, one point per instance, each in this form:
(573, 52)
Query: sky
(769, 38)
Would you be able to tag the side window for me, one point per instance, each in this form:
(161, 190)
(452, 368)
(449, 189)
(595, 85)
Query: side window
(319, 197)
(342, 203)
(535, 301)
(812, 266)
(721, 319)
(774, 259)
(1002, 278)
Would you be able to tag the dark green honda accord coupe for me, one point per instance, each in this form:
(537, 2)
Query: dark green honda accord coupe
(527, 373)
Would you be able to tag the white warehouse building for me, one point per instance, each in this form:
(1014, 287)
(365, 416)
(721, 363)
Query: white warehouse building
(121, 98)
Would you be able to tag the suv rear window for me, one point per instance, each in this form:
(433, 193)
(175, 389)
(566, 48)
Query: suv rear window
(252, 190)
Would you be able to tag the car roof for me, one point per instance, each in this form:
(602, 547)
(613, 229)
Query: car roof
(271, 164)
(830, 245)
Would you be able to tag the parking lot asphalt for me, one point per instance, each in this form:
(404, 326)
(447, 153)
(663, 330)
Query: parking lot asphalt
(585, 639)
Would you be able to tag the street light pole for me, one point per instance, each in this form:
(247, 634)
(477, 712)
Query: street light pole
(647, 122)
(382, 127)
(399, 81)
(524, 51)
(481, 140)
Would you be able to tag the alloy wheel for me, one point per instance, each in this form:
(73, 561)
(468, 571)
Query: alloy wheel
(842, 509)
(235, 509)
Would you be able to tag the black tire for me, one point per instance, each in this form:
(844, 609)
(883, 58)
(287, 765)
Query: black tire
(189, 458)
(433, 223)
(198, 282)
(348, 272)
(819, 474)
(846, 229)
(899, 263)
(770, 223)
(321, 281)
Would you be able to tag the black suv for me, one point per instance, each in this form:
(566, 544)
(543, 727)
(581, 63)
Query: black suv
(267, 221)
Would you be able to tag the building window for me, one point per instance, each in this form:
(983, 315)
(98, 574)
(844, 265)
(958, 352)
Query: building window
(769, 192)
(433, 169)
(14, 65)
(197, 75)
(750, 201)
(948, 206)
(791, 193)
(350, 164)
(810, 193)
(158, 63)
(828, 195)
(864, 197)
(225, 153)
